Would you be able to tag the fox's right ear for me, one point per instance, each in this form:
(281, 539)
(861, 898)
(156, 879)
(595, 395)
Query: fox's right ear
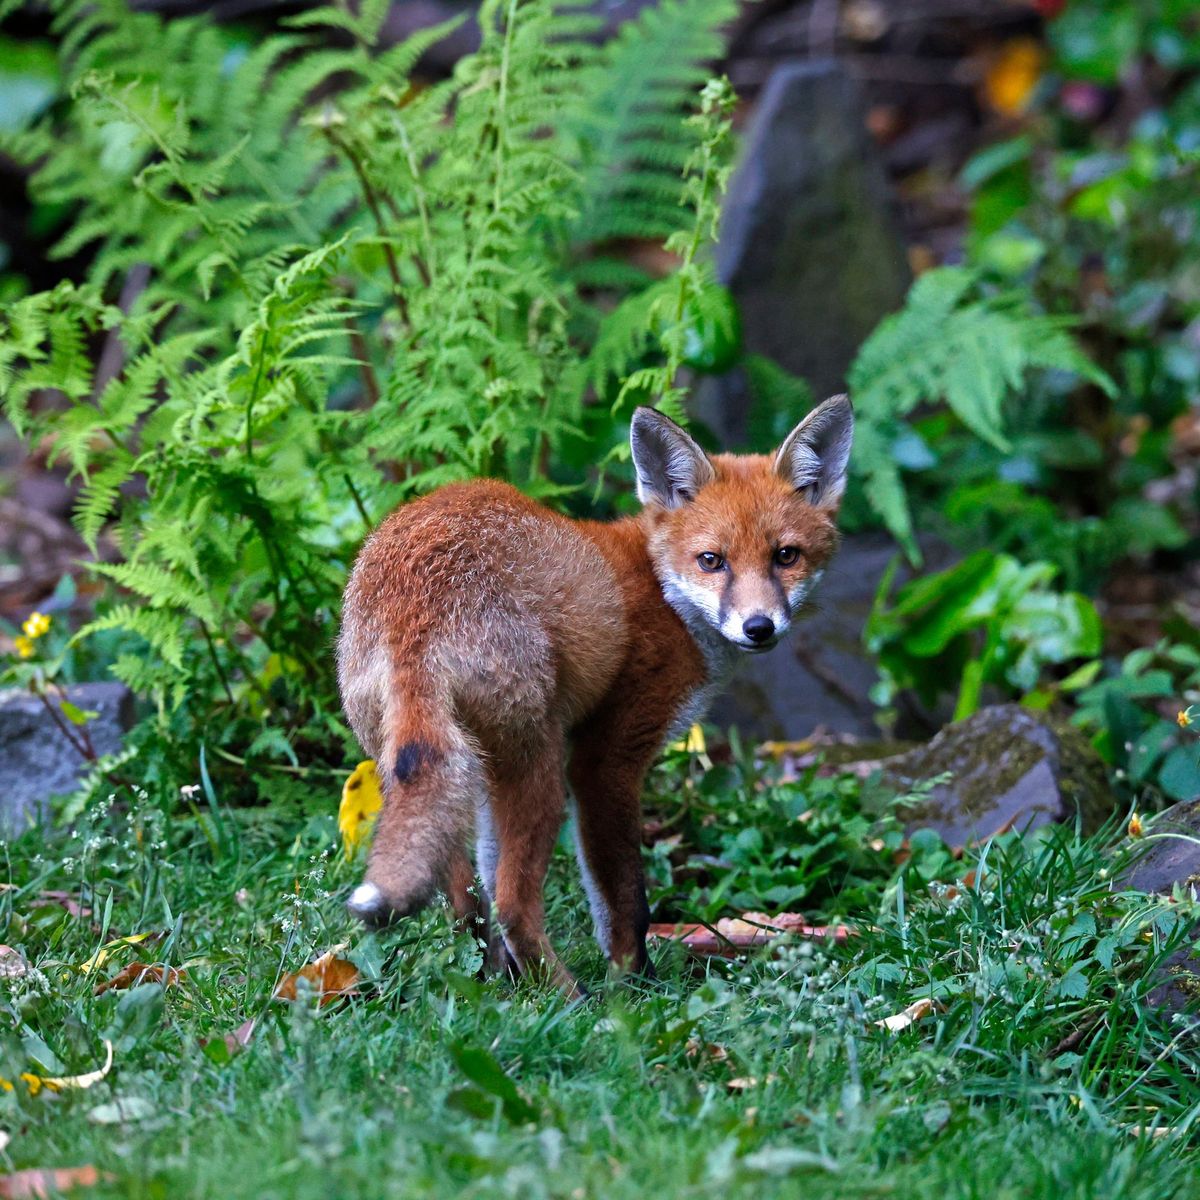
(670, 467)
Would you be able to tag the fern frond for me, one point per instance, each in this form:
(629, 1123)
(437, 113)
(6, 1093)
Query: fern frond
(948, 345)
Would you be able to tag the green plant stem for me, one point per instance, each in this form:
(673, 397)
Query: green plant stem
(216, 661)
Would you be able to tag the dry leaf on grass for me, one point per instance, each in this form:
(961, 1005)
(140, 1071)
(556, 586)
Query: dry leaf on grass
(40, 1182)
(1150, 1131)
(361, 802)
(745, 1082)
(140, 972)
(45, 899)
(63, 1083)
(329, 976)
(733, 934)
(109, 948)
(239, 1039)
(712, 1051)
(221, 1049)
(910, 1016)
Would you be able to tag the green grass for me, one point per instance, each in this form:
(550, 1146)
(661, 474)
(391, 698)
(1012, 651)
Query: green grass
(434, 1083)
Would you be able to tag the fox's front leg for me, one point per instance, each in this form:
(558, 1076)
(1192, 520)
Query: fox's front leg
(606, 774)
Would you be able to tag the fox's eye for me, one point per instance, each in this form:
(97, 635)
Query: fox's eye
(710, 561)
(785, 556)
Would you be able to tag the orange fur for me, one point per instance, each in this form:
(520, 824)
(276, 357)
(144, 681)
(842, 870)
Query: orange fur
(491, 650)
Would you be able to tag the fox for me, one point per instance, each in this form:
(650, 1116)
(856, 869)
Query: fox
(505, 664)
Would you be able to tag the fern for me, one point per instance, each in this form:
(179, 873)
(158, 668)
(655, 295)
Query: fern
(326, 290)
(631, 157)
(948, 344)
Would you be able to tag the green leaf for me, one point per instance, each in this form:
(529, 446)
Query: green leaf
(1179, 776)
(483, 1070)
(76, 715)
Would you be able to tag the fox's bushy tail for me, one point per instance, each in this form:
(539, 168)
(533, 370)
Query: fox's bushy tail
(431, 782)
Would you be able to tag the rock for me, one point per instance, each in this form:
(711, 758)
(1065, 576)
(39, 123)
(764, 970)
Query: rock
(1163, 864)
(809, 245)
(36, 760)
(821, 677)
(1009, 768)
(1170, 860)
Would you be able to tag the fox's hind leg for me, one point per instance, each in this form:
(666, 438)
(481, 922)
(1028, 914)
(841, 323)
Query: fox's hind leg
(526, 811)
(472, 908)
(607, 767)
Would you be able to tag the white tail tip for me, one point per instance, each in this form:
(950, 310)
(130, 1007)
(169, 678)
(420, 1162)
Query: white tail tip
(365, 901)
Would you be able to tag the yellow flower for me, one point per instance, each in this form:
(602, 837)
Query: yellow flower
(24, 645)
(361, 802)
(36, 624)
(693, 744)
(1134, 829)
(1184, 717)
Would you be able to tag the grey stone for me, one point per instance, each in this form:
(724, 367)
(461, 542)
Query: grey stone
(1164, 863)
(822, 675)
(1173, 859)
(809, 245)
(1169, 860)
(36, 760)
(1008, 768)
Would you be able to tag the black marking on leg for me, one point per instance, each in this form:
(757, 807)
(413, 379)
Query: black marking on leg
(412, 757)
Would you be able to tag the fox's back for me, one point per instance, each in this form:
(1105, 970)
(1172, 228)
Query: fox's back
(502, 606)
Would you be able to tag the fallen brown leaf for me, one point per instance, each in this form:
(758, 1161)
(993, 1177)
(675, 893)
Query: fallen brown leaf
(239, 1039)
(140, 972)
(40, 1182)
(713, 1051)
(745, 1082)
(954, 890)
(64, 899)
(910, 1016)
(330, 977)
(733, 934)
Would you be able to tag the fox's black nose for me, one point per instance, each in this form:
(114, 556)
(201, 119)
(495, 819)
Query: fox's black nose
(759, 628)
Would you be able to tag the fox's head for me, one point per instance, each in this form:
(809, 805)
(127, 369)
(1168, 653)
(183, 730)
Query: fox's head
(738, 540)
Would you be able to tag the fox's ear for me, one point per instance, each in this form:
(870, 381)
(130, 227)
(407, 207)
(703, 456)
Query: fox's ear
(815, 455)
(670, 467)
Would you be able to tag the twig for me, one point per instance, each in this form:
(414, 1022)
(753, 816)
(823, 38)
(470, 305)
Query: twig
(1075, 1037)
(76, 744)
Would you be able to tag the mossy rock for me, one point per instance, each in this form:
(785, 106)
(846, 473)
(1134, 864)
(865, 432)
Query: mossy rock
(1165, 863)
(1008, 768)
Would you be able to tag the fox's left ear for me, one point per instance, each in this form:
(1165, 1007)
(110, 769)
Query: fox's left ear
(814, 457)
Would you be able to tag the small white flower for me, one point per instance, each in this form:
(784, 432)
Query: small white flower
(189, 790)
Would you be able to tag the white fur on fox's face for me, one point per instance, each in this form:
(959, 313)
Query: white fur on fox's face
(737, 542)
(701, 608)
